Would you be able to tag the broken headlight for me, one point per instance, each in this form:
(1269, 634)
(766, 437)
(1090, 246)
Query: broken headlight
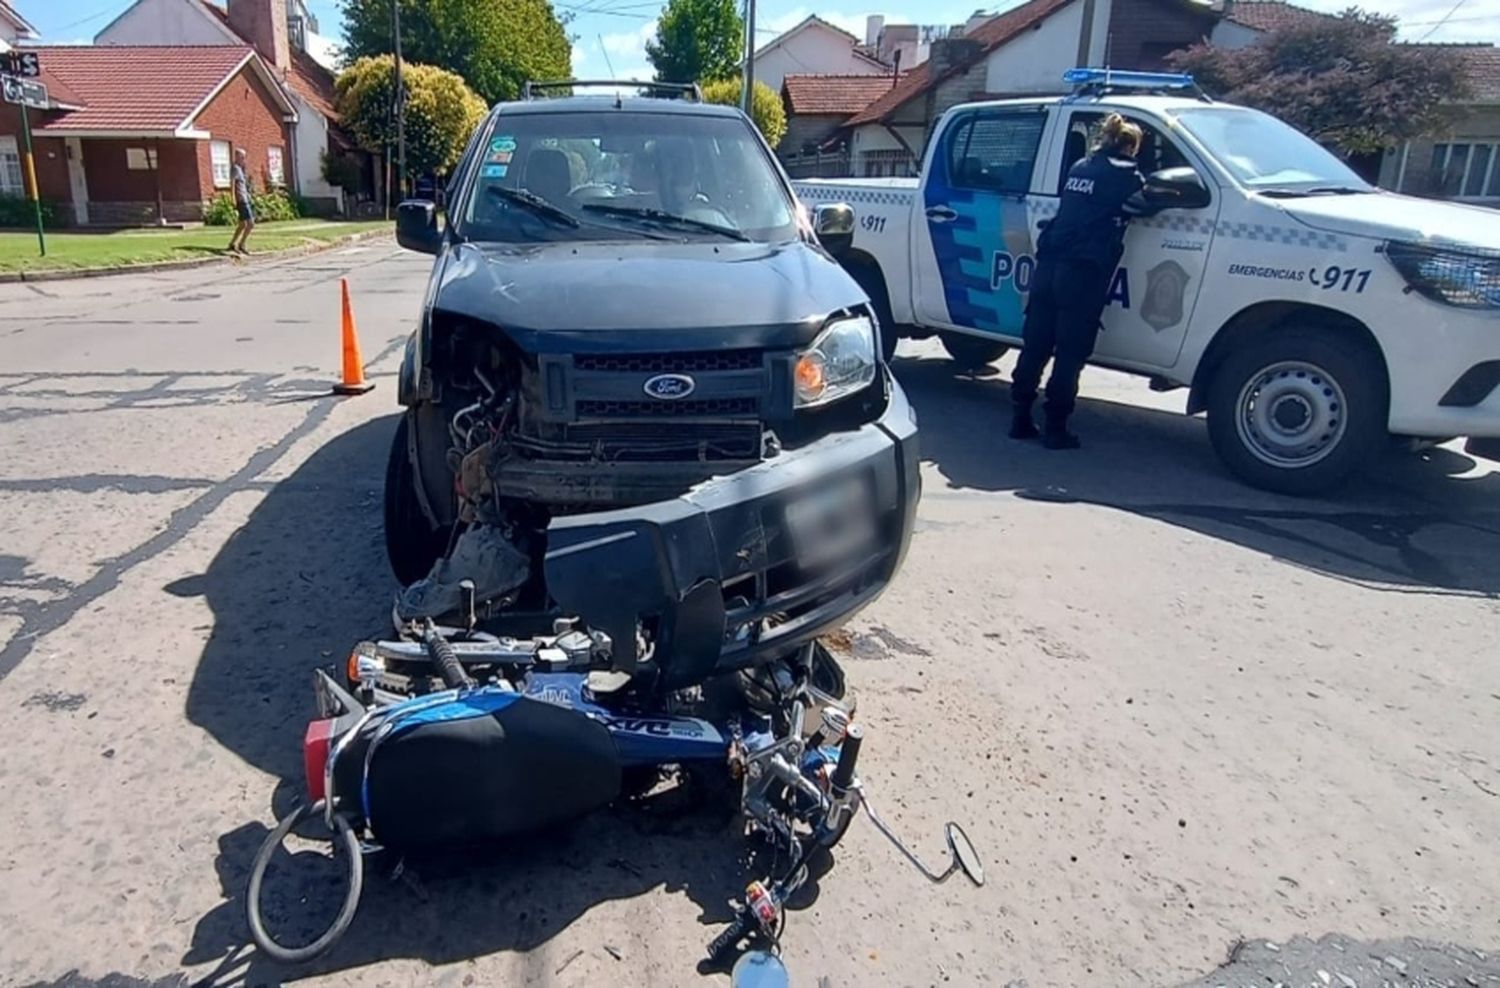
(1465, 277)
(840, 362)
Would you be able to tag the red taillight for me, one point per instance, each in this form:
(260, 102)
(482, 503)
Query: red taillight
(315, 745)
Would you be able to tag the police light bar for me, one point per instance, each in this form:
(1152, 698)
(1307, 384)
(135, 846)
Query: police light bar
(1128, 80)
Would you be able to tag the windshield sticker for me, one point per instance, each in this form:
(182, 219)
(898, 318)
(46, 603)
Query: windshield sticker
(495, 171)
(500, 157)
(503, 143)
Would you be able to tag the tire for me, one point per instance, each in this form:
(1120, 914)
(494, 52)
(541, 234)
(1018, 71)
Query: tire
(868, 277)
(1300, 410)
(411, 543)
(972, 352)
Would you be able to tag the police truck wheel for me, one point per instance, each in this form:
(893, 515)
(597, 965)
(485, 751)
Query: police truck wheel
(1298, 411)
(411, 543)
(971, 352)
(868, 277)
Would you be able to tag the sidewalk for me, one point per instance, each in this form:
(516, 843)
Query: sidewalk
(71, 254)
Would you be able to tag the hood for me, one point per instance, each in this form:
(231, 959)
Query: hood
(1387, 216)
(619, 296)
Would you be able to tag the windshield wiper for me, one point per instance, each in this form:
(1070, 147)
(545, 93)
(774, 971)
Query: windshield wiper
(1317, 190)
(534, 204)
(664, 217)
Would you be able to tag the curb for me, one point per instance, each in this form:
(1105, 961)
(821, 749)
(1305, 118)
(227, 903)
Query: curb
(65, 274)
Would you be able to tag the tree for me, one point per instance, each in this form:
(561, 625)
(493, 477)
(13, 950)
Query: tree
(765, 106)
(494, 45)
(1341, 80)
(697, 41)
(441, 112)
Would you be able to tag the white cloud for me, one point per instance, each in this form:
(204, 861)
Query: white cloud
(629, 44)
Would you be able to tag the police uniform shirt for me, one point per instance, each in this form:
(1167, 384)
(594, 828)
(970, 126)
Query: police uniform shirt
(1096, 207)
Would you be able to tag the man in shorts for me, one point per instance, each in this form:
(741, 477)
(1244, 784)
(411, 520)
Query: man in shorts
(242, 204)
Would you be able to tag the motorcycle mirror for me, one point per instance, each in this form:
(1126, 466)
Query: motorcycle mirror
(963, 850)
(759, 969)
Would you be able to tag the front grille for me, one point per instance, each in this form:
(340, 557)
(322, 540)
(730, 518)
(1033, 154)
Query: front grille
(685, 408)
(662, 363)
(648, 440)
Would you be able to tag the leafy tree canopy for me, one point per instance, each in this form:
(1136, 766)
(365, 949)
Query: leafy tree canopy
(441, 112)
(765, 106)
(494, 45)
(1341, 80)
(697, 41)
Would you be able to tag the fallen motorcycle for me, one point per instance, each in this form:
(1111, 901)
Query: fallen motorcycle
(450, 736)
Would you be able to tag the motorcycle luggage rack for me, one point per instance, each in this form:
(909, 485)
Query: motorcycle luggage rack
(688, 91)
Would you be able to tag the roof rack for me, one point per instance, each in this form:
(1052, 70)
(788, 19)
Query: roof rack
(655, 90)
(1102, 82)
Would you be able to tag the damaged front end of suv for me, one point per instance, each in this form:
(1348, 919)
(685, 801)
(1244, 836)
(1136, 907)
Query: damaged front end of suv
(643, 398)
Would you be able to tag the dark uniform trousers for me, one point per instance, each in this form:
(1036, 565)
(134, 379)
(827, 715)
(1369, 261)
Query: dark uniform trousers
(1062, 321)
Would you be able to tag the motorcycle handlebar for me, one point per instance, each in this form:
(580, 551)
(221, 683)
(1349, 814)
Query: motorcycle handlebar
(843, 773)
(444, 658)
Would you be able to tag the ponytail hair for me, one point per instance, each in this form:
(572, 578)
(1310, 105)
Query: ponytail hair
(1118, 136)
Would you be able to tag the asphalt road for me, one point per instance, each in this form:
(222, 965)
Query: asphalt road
(1202, 735)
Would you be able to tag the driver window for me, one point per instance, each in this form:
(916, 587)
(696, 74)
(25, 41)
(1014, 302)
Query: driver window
(1157, 150)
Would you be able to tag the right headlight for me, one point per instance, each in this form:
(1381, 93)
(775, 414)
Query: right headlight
(840, 362)
(1462, 277)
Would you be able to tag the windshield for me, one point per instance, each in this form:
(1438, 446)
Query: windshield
(1263, 153)
(615, 175)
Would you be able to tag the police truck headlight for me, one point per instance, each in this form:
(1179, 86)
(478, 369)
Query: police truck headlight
(840, 362)
(1467, 278)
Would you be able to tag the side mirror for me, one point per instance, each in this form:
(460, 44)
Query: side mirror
(833, 222)
(963, 852)
(416, 226)
(1177, 188)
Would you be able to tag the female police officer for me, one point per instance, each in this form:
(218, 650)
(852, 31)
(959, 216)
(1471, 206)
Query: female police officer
(1076, 258)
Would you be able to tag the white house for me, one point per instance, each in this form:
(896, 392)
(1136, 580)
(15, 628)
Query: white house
(280, 31)
(14, 29)
(816, 47)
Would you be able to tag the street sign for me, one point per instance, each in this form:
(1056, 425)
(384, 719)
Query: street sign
(22, 63)
(24, 91)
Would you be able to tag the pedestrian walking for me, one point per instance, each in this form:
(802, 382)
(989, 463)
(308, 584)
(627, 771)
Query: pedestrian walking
(242, 204)
(1076, 258)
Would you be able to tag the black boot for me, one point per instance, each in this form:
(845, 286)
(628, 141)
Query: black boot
(1021, 425)
(1057, 435)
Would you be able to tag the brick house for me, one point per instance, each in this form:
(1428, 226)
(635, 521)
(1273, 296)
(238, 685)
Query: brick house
(137, 135)
(817, 106)
(282, 33)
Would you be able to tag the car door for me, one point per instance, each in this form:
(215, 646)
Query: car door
(1156, 286)
(973, 240)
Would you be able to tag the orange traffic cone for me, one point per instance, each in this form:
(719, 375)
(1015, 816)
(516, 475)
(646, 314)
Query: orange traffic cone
(354, 382)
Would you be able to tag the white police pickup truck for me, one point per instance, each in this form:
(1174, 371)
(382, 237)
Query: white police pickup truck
(1310, 314)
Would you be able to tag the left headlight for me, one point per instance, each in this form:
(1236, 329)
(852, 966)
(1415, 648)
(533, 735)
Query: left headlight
(1451, 275)
(840, 362)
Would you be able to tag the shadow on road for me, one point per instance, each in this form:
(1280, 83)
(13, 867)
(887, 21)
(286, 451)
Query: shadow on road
(301, 582)
(1412, 523)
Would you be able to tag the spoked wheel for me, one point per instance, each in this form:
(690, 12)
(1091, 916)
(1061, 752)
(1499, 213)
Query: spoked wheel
(344, 841)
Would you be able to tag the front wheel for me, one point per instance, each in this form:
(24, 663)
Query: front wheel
(972, 352)
(411, 543)
(1298, 411)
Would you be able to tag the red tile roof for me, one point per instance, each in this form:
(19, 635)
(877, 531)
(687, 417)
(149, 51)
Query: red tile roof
(990, 35)
(1483, 63)
(309, 80)
(1271, 15)
(135, 88)
(834, 94)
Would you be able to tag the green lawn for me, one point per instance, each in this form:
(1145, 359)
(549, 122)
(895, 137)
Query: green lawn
(18, 251)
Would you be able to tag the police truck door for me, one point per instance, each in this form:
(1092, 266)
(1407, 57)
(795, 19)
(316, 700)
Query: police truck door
(972, 229)
(1156, 286)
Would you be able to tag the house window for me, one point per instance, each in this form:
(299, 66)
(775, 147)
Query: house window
(1465, 170)
(274, 170)
(219, 152)
(11, 182)
(140, 159)
(995, 151)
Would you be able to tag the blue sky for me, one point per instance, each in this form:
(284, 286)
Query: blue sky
(611, 34)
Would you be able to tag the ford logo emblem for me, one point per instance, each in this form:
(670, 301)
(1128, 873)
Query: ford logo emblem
(669, 387)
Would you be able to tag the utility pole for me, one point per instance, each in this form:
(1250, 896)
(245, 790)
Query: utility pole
(746, 93)
(31, 187)
(400, 102)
